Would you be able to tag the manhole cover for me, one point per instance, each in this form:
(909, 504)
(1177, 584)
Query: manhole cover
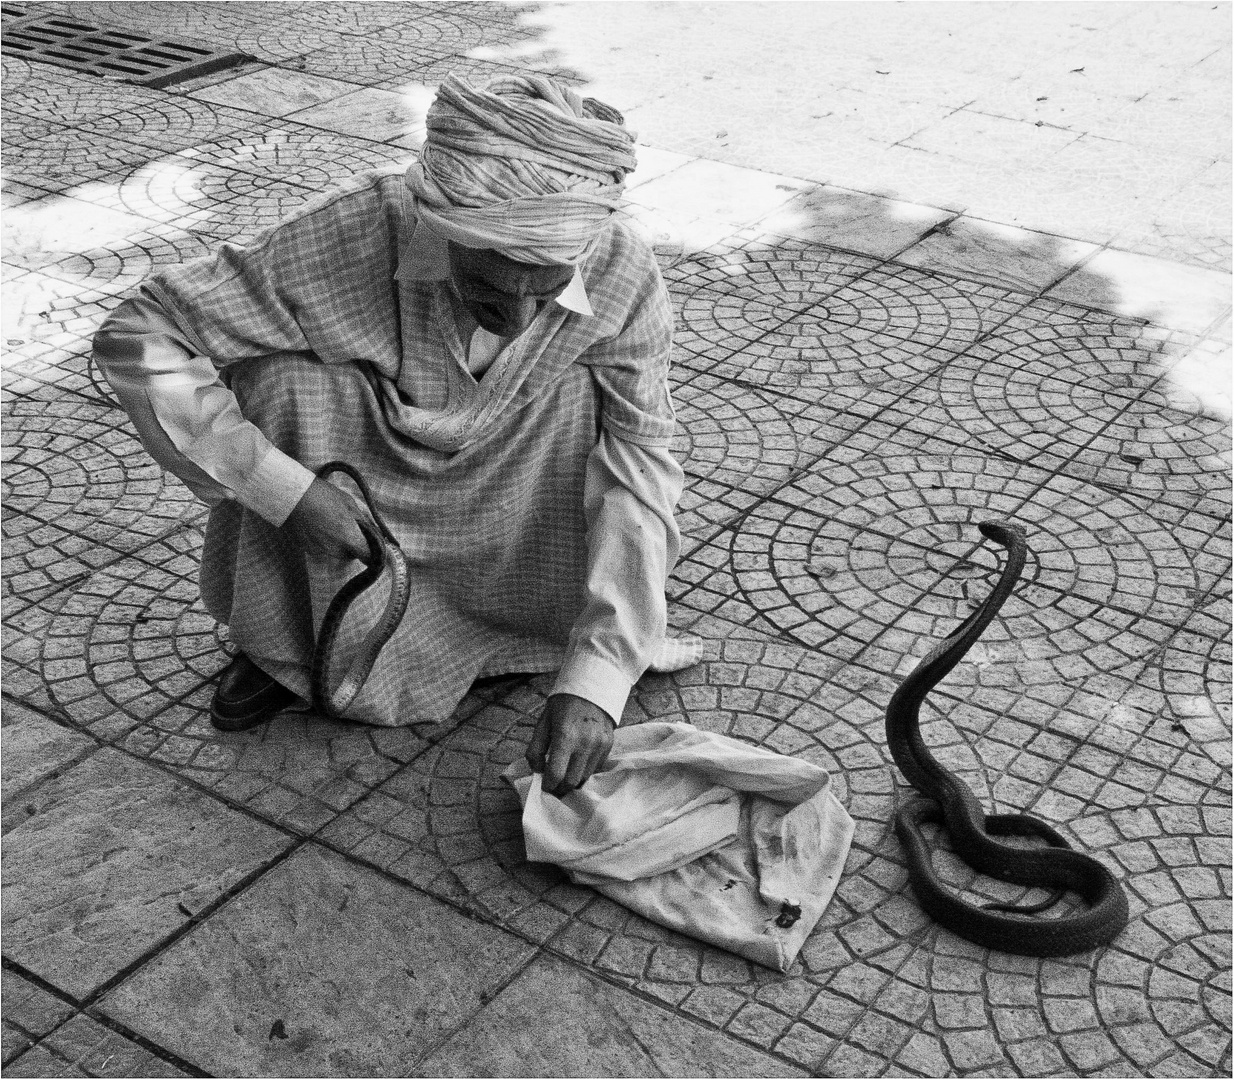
(117, 54)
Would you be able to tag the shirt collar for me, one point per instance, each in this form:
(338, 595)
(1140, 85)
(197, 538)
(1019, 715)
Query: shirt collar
(426, 257)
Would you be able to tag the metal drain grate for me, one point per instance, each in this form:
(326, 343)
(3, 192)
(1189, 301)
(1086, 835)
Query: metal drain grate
(123, 54)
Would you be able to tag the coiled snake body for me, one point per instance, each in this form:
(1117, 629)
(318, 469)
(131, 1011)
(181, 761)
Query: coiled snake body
(949, 802)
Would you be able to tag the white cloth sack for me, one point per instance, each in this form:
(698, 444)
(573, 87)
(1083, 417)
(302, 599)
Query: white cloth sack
(729, 843)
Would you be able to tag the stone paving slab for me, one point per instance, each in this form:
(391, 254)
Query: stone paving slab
(1190, 227)
(1185, 298)
(348, 18)
(321, 968)
(273, 91)
(947, 283)
(419, 82)
(85, 1047)
(1002, 255)
(298, 772)
(371, 113)
(854, 221)
(391, 54)
(715, 190)
(29, 1014)
(107, 860)
(47, 326)
(595, 1030)
(36, 749)
(969, 70)
(128, 652)
(40, 1062)
(14, 194)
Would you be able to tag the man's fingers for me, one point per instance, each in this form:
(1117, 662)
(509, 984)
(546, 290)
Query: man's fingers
(348, 534)
(577, 772)
(357, 545)
(581, 764)
(345, 548)
(571, 741)
(539, 744)
(596, 761)
(556, 765)
(326, 521)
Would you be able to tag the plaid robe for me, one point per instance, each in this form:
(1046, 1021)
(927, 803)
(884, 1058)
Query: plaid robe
(333, 353)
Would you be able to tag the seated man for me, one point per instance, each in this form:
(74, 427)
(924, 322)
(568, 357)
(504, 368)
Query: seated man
(488, 346)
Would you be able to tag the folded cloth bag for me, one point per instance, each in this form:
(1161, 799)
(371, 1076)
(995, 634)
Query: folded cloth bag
(729, 843)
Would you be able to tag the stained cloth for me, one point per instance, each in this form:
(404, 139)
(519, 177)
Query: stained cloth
(535, 501)
(524, 166)
(729, 843)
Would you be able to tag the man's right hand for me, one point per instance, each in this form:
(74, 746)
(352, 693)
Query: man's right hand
(326, 523)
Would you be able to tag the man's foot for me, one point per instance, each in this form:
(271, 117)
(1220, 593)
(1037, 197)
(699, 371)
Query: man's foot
(246, 696)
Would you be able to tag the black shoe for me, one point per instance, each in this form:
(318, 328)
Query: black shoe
(246, 696)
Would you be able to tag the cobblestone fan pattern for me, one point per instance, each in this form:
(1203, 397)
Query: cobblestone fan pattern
(845, 420)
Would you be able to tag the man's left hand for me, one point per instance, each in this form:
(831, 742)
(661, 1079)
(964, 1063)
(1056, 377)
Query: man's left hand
(572, 740)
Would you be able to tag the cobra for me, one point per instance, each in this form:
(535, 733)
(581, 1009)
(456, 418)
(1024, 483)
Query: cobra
(947, 801)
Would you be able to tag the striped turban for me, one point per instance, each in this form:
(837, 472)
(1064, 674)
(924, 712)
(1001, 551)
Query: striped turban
(524, 166)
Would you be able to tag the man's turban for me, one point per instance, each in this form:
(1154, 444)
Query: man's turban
(524, 166)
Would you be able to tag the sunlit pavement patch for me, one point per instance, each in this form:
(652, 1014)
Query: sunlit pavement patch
(217, 202)
(47, 327)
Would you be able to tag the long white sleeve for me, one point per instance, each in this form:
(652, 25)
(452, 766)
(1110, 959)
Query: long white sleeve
(187, 420)
(632, 543)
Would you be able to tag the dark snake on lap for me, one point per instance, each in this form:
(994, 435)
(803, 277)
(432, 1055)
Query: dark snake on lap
(947, 801)
(334, 692)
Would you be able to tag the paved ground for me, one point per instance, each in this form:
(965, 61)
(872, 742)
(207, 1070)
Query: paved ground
(932, 263)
